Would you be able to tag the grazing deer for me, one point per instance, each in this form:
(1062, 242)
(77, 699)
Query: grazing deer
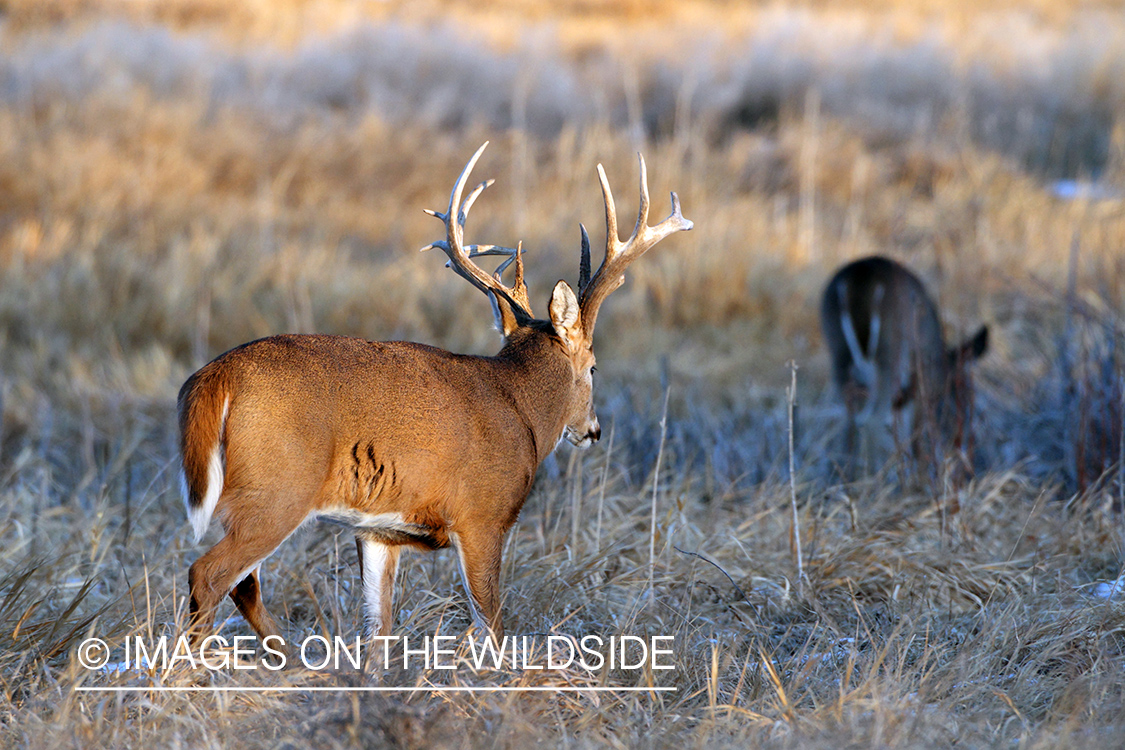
(406, 444)
(884, 335)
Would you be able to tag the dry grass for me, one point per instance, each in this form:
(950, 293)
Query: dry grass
(177, 178)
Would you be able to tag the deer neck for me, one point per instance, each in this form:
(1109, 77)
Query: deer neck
(538, 377)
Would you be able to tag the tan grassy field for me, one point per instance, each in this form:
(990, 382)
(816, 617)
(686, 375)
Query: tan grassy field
(178, 178)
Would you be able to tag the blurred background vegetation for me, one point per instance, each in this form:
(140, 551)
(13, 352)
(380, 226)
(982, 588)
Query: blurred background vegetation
(180, 177)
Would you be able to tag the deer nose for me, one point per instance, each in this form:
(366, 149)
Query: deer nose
(596, 433)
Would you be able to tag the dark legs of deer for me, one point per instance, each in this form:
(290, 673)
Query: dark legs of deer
(247, 596)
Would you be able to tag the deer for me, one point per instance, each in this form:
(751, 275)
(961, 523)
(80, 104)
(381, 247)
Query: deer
(404, 444)
(889, 357)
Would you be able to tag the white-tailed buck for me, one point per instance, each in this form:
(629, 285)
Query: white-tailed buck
(885, 338)
(406, 444)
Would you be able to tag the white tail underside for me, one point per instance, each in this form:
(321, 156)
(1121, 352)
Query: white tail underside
(864, 360)
(200, 517)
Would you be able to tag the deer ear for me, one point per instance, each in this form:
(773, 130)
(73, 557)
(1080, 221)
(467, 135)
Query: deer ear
(565, 314)
(978, 345)
(971, 349)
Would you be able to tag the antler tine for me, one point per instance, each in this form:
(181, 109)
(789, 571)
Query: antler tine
(618, 255)
(455, 220)
(642, 211)
(517, 282)
(584, 262)
(455, 229)
(472, 198)
(460, 255)
(510, 254)
(612, 239)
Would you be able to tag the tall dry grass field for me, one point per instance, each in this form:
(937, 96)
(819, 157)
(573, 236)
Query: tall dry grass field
(177, 178)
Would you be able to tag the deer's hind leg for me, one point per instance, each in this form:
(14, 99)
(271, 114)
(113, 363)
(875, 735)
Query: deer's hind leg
(231, 566)
(247, 596)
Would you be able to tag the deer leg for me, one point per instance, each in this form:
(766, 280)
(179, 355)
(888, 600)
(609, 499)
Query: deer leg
(378, 563)
(479, 553)
(905, 437)
(879, 427)
(234, 558)
(247, 596)
(926, 440)
(867, 430)
(853, 394)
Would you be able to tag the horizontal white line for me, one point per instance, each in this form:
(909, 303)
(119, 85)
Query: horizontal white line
(372, 689)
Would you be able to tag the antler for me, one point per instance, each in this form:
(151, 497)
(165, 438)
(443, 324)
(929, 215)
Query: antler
(460, 254)
(618, 255)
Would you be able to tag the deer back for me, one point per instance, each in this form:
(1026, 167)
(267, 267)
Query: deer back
(380, 427)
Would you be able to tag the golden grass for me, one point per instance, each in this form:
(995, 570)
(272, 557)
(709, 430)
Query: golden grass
(146, 227)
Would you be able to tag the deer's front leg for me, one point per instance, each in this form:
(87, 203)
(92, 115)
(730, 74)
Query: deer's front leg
(479, 553)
